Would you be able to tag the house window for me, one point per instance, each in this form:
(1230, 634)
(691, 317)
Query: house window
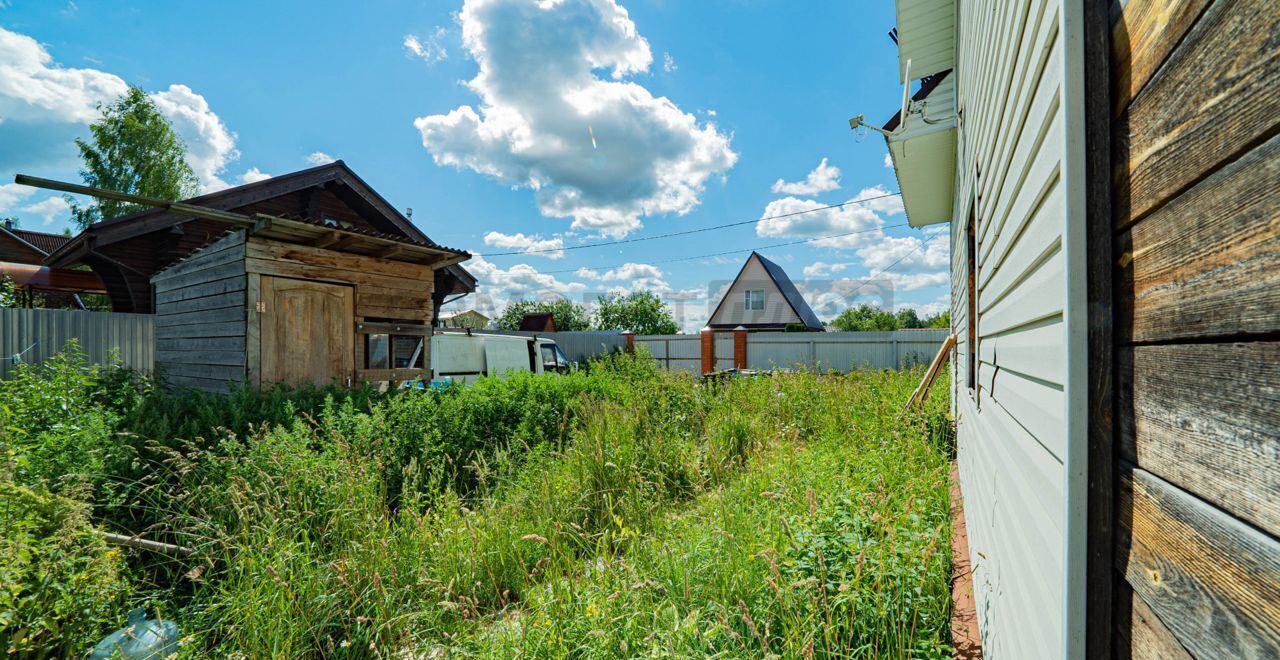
(755, 299)
(971, 264)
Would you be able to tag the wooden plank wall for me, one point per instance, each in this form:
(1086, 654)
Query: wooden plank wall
(200, 316)
(1196, 210)
(384, 291)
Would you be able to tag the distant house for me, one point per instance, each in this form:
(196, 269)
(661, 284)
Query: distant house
(762, 297)
(22, 253)
(468, 319)
(538, 322)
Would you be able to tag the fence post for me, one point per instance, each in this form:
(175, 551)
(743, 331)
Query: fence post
(739, 348)
(630, 337)
(708, 350)
(895, 353)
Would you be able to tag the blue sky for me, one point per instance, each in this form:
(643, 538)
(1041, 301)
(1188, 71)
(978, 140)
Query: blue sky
(481, 115)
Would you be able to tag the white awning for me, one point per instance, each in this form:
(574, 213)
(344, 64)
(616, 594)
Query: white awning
(926, 37)
(923, 149)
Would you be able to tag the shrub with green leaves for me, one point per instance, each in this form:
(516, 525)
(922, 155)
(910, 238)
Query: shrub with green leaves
(61, 586)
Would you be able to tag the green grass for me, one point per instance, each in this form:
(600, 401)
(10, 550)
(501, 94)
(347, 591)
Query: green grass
(620, 512)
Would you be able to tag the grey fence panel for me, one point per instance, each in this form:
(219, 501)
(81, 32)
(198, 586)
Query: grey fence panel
(674, 352)
(724, 350)
(840, 351)
(34, 335)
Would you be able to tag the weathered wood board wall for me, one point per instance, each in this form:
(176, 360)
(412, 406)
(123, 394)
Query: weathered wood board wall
(1196, 211)
(385, 292)
(210, 311)
(200, 316)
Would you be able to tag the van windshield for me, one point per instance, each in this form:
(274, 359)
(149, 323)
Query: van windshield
(553, 358)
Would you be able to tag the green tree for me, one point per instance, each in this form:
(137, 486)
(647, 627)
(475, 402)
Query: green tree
(568, 316)
(865, 318)
(132, 149)
(942, 320)
(642, 312)
(907, 319)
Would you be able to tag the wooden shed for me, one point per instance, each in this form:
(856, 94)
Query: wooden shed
(257, 309)
(309, 277)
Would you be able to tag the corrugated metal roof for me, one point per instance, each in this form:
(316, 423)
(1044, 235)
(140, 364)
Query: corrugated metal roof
(926, 37)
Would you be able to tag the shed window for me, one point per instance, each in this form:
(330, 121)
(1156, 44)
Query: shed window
(407, 352)
(394, 352)
(376, 351)
(755, 299)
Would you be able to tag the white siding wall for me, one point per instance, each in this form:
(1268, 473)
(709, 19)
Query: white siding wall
(1011, 435)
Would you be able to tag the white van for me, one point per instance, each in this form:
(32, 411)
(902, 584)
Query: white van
(462, 357)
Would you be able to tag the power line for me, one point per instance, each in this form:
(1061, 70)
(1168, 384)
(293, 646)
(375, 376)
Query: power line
(751, 249)
(687, 231)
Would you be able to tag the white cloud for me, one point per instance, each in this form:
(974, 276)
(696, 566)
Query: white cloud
(551, 248)
(862, 221)
(497, 287)
(908, 254)
(34, 88)
(542, 102)
(48, 209)
(210, 145)
(11, 194)
(429, 49)
(824, 269)
(888, 161)
(824, 177)
(924, 310)
(630, 277)
(669, 63)
(253, 175)
(45, 104)
(319, 158)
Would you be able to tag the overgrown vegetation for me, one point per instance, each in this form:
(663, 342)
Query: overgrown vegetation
(617, 512)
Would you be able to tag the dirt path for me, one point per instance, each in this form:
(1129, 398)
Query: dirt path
(964, 616)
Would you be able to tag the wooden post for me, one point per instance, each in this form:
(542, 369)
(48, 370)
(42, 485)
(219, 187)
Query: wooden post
(739, 348)
(708, 350)
(631, 341)
(922, 391)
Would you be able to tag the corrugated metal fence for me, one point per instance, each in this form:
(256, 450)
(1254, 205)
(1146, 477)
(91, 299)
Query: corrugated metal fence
(33, 335)
(841, 351)
(674, 352)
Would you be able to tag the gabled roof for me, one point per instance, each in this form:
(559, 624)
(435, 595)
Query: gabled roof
(38, 240)
(538, 322)
(785, 286)
(358, 193)
(790, 293)
(325, 207)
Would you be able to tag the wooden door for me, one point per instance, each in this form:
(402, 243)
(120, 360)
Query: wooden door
(307, 331)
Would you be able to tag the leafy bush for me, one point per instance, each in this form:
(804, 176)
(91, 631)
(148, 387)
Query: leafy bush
(61, 587)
